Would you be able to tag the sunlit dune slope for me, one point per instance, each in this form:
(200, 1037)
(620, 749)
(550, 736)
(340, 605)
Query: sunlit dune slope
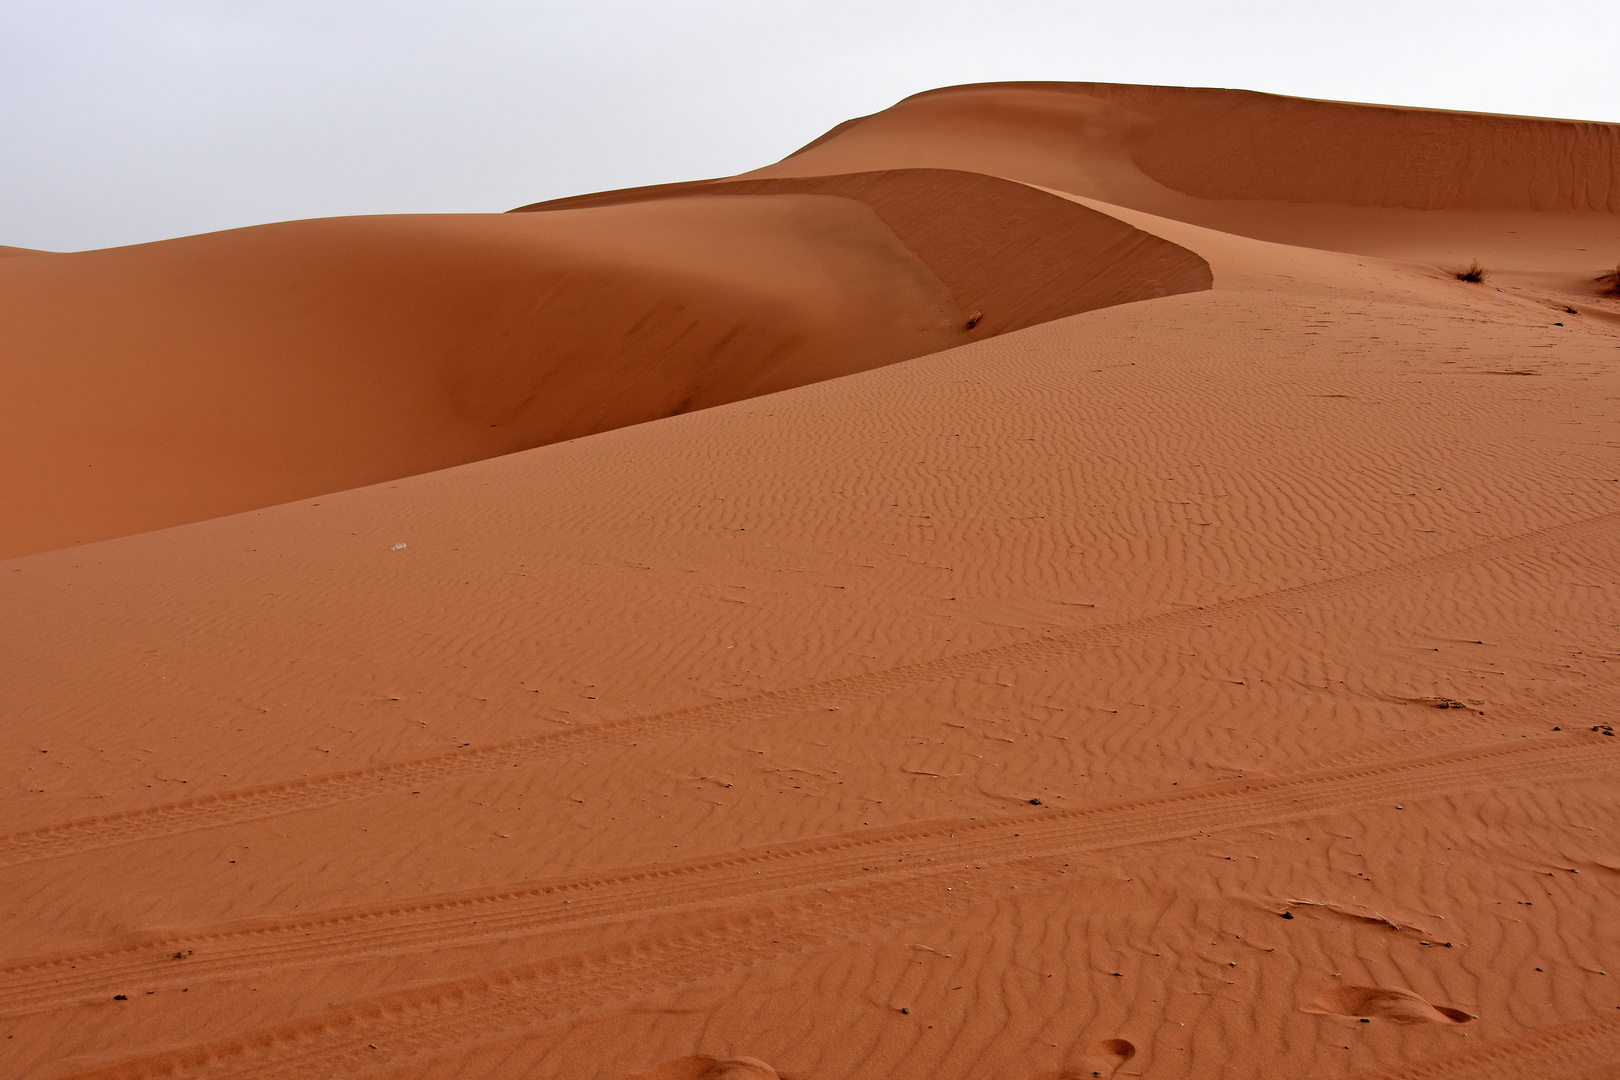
(1370, 178)
(10, 252)
(152, 385)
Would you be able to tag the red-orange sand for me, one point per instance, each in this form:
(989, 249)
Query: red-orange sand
(1202, 666)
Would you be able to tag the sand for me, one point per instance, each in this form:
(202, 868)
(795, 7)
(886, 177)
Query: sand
(1204, 673)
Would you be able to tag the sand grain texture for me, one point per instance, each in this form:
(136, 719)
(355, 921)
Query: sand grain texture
(1202, 667)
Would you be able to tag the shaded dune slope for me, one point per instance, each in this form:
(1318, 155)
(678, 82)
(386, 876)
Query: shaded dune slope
(1277, 168)
(171, 382)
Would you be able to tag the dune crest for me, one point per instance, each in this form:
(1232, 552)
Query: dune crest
(1011, 253)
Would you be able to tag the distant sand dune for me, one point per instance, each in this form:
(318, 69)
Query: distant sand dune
(1235, 144)
(1293, 170)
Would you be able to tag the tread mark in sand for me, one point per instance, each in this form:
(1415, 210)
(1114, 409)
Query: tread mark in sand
(855, 863)
(305, 794)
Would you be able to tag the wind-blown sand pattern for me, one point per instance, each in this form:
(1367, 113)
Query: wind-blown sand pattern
(1202, 665)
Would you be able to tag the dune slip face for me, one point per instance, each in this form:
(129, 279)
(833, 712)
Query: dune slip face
(1010, 256)
(1048, 582)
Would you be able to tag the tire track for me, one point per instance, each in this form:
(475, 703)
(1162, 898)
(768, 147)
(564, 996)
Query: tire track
(856, 861)
(272, 800)
(1568, 1050)
(390, 1029)
(1520, 714)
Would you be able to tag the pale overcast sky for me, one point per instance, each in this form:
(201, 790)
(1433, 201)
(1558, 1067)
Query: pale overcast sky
(135, 120)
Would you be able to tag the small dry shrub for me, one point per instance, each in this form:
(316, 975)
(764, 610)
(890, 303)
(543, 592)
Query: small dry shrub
(1474, 271)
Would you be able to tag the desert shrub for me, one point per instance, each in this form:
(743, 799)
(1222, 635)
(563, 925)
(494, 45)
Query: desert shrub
(1474, 271)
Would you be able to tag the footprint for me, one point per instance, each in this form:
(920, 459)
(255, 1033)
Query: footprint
(703, 1067)
(1378, 1003)
(1101, 1059)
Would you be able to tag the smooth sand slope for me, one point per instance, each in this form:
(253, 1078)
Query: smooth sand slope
(155, 385)
(1215, 685)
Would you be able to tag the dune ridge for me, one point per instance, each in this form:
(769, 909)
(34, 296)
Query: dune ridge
(969, 229)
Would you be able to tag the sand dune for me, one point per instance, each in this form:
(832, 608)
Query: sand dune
(166, 383)
(1234, 144)
(1215, 684)
(1379, 180)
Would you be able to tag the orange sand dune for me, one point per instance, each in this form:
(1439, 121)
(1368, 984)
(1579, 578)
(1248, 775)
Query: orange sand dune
(165, 383)
(1221, 684)
(1381, 180)
(1234, 144)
